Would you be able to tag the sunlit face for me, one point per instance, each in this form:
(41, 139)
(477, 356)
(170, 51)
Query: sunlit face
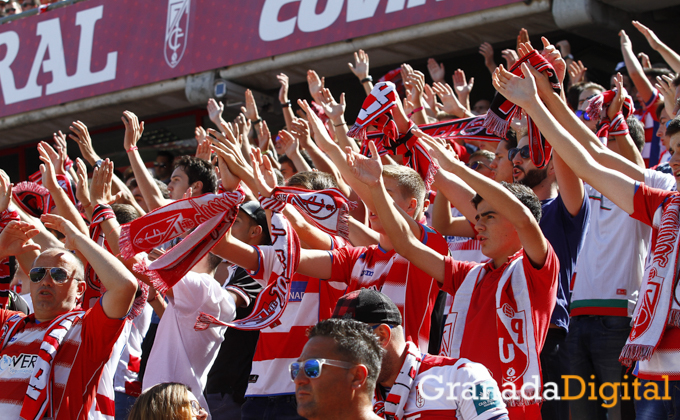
(179, 184)
(197, 412)
(287, 170)
(51, 299)
(661, 131)
(481, 165)
(501, 165)
(496, 234)
(241, 227)
(331, 391)
(404, 203)
(524, 171)
(481, 107)
(675, 158)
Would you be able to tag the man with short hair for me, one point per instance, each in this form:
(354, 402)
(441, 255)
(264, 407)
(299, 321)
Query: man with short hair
(336, 374)
(410, 382)
(195, 173)
(57, 353)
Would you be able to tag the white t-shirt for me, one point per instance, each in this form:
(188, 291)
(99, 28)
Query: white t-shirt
(611, 264)
(180, 353)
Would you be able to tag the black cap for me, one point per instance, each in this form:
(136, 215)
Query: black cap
(253, 209)
(369, 306)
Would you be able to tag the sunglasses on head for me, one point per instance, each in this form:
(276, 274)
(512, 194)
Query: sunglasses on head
(312, 367)
(476, 164)
(58, 274)
(524, 152)
(582, 114)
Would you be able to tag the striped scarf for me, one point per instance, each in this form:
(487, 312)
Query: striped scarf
(7, 264)
(392, 408)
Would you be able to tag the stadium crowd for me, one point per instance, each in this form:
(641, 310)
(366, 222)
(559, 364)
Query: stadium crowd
(432, 258)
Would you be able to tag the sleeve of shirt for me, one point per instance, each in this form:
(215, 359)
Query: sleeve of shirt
(433, 240)
(660, 180)
(343, 262)
(455, 272)
(244, 285)
(201, 293)
(543, 281)
(99, 331)
(581, 219)
(265, 255)
(480, 398)
(646, 201)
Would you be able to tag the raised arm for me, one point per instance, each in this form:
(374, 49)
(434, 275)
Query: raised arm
(616, 186)
(635, 71)
(286, 105)
(150, 191)
(100, 195)
(360, 70)
(120, 284)
(671, 57)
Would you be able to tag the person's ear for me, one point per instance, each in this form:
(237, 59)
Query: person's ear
(255, 231)
(412, 206)
(359, 376)
(82, 286)
(197, 187)
(426, 204)
(384, 333)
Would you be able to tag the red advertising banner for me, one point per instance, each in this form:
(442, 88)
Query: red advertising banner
(101, 46)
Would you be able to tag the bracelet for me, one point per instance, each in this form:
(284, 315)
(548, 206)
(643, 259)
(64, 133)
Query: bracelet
(155, 296)
(415, 110)
(568, 57)
(257, 121)
(99, 163)
(338, 125)
(366, 79)
(132, 148)
(286, 104)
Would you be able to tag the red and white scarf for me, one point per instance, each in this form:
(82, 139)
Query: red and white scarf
(272, 301)
(376, 110)
(616, 126)
(39, 391)
(31, 197)
(327, 209)
(659, 303)
(7, 264)
(502, 111)
(518, 356)
(211, 215)
(392, 407)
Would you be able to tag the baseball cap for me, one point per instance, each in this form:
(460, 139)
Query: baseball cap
(253, 209)
(368, 306)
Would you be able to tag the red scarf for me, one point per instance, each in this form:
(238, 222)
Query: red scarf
(272, 301)
(39, 391)
(376, 110)
(502, 111)
(7, 264)
(327, 209)
(211, 216)
(31, 197)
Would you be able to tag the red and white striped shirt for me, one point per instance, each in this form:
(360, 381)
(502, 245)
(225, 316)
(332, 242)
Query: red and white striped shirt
(77, 367)
(411, 289)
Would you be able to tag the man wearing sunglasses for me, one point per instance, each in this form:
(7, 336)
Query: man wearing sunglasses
(53, 358)
(410, 383)
(336, 374)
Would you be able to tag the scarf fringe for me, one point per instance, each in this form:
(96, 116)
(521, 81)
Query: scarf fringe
(633, 352)
(496, 125)
(674, 318)
(125, 243)
(357, 132)
(204, 321)
(157, 282)
(431, 172)
(140, 302)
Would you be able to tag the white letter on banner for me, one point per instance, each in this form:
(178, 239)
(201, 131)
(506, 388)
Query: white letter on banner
(361, 9)
(10, 93)
(309, 21)
(394, 6)
(86, 19)
(271, 28)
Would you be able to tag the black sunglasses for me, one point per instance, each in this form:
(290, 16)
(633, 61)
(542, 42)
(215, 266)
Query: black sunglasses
(58, 274)
(476, 164)
(524, 152)
(160, 165)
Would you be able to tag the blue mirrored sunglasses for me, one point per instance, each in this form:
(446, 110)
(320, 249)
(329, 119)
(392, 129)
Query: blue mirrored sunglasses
(312, 367)
(582, 114)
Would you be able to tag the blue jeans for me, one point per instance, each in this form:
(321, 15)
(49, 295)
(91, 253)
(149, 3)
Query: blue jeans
(595, 343)
(223, 407)
(282, 407)
(124, 403)
(659, 409)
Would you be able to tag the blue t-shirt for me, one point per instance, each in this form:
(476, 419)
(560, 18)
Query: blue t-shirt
(566, 234)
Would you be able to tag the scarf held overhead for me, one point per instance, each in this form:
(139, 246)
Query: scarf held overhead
(327, 209)
(272, 301)
(517, 350)
(210, 215)
(659, 302)
(502, 111)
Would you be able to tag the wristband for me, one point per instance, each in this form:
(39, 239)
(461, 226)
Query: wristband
(257, 121)
(415, 110)
(132, 148)
(338, 125)
(568, 57)
(367, 79)
(286, 104)
(99, 163)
